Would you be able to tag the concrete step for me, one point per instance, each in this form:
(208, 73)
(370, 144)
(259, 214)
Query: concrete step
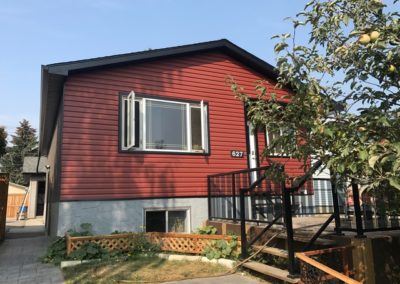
(273, 251)
(271, 271)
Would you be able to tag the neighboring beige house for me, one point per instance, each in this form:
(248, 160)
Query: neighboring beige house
(34, 169)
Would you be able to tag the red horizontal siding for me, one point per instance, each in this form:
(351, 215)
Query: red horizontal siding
(92, 166)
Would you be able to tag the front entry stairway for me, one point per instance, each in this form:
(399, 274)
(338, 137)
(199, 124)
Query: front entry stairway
(237, 197)
(271, 259)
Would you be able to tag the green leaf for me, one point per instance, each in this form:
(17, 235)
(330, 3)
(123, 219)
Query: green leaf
(92, 250)
(346, 20)
(340, 168)
(353, 168)
(395, 182)
(280, 46)
(397, 147)
(372, 161)
(396, 166)
(328, 132)
(363, 155)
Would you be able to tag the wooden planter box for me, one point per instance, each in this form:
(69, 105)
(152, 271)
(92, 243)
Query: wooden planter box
(173, 242)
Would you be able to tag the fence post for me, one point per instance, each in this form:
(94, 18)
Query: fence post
(357, 209)
(243, 239)
(336, 210)
(234, 198)
(289, 228)
(68, 243)
(209, 197)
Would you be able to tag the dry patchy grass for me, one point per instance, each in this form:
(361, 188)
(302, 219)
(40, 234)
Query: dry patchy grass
(140, 269)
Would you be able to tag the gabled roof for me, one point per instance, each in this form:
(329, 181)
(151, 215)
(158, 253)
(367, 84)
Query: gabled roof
(31, 165)
(53, 75)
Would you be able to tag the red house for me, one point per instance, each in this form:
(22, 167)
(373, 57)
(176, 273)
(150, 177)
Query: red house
(131, 138)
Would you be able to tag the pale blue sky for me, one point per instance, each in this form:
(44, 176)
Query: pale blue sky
(36, 32)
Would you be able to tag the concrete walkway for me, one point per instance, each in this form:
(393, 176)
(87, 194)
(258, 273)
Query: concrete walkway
(231, 279)
(24, 228)
(19, 262)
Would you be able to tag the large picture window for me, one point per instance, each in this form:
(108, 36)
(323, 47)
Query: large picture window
(163, 125)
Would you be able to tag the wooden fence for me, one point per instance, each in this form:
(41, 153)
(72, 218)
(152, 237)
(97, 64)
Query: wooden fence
(184, 243)
(14, 203)
(4, 180)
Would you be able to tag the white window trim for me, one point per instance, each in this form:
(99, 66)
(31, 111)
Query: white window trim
(268, 143)
(203, 124)
(187, 221)
(131, 120)
(142, 141)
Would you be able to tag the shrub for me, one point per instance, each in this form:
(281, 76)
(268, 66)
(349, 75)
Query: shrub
(116, 232)
(140, 244)
(222, 249)
(89, 250)
(56, 252)
(206, 230)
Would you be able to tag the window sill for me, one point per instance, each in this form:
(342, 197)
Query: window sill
(278, 156)
(196, 153)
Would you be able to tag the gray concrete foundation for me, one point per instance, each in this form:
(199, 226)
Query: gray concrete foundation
(125, 215)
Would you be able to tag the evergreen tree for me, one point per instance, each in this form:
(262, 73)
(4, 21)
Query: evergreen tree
(23, 144)
(3, 141)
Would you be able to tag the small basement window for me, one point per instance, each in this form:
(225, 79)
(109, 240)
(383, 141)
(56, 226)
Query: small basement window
(167, 221)
(163, 125)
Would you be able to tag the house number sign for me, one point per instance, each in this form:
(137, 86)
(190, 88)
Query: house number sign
(236, 154)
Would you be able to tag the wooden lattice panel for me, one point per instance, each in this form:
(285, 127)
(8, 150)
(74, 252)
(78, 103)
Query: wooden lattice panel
(186, 243)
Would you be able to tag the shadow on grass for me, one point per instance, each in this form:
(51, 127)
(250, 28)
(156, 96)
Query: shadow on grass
(140, 268)
(109, 271)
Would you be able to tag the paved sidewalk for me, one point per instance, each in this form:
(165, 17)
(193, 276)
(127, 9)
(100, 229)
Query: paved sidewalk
(24, 228)
(19, 262)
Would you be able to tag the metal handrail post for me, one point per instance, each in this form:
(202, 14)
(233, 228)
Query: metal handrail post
(234, 198)
(243, 225)
(336, 210)
(357, 209)
(209, 197)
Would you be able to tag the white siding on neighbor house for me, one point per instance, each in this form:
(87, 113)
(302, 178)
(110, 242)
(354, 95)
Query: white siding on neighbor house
(321, 201)
(124, 215)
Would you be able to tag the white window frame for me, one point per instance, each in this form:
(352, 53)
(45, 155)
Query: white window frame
(142, 139)
(131, 120)
(283, 154)
(167, 210)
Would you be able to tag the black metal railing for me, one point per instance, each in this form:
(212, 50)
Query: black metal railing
(376, 210)
(239, 196)
(223, 189)
(319, 200)
(224, 195)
